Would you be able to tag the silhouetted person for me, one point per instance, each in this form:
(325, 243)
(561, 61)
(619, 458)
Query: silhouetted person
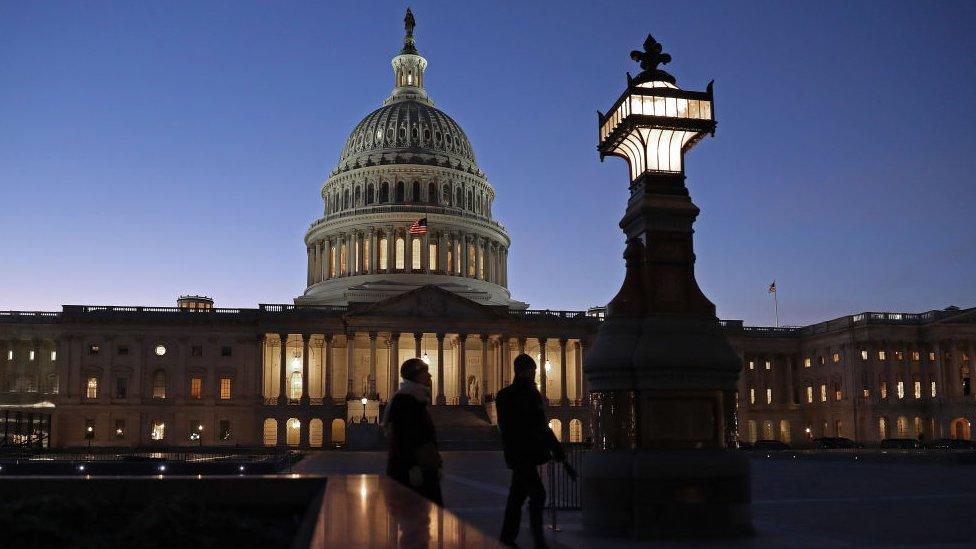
(528, 442)
(413, 459)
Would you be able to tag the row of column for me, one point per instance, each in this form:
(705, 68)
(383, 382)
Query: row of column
(498, 374)
(360, 252)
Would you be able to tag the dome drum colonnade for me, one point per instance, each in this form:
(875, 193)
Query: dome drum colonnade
(404, 162)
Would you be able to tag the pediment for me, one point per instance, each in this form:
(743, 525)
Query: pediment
(428, 302)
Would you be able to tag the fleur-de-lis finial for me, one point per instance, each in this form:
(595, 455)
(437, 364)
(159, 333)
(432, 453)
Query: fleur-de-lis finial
(650, 58)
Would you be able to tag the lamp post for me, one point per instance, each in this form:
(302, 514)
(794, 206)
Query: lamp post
(89, 435)
(200, 434)
(661, 373)
(364, 400)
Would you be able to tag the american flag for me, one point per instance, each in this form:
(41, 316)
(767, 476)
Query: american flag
(419, 226)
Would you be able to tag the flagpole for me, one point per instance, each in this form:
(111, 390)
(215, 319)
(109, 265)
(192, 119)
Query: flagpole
(776, 306)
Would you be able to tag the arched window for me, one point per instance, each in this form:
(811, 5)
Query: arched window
(901, 427)
(415, 194)
(575, 430)
(399, 253)
(557, 428)
(383, 244)
(159, 384)
(338, 432)
(345, 200)
(470, 200)
(432, 193)
(446, 192)
(270, 432)
(432, 256)
(370, 194)
(767, 429)
(753, 432)
(315, 433)
(293, 431)
(399, 192)
(882, 427)
(359, 197)
(784, 431)
(415, 263)
(52, 383)
(459, 198)
(477, 204)
(384, 193)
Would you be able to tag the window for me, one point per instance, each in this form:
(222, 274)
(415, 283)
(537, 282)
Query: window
(769, 395)
(196, 387)
(838, 394)
(370, 194)
(92, 388)
(836, 358)
(915, 356)
(385, 192)
(121, 387)
(415, 263)
(865, 392)
(864, 354)
(123, 350)
(226, 350)
(399, 192)
(432, 257)
(295, 386)
(752, 365)
(383, 253)
(899, 355)
(820, 359)
(120, 428)
(159, 384)
(399, 253)
(54, 356)
(94, 349)
(160, 350)
(415, 192)
(823, 393)
(933, 389)
(225, 388)
(196, 350)
(752, 396)
(223, 433)
(31, 355)
(769, 366)
(901, 426)
(10, 355)
(901, 389)
(432, 193)
(158, 430)
(882, 427)
(806, 362)
(883, 389)
(931, 357)
(882, 355)
(918, 389)
(809, 394)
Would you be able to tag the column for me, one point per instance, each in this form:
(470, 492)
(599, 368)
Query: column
(351, 254)
(425, 252)
(440, 370)
(462, 369)
(418, 338)
(327, 368)
(583, 384)
(442, 245)
(579, 369)
(521, 345)
(464, 255)
(318, 262)
(479, 258)
(326, 258)
(350, 364)
(484, 366)
(506, 343)
(563, 398)
(259, 365)
(305, 353)
(311, 266)
(282, 395)
(542, 369)
(394, 377)
(790, 364)
(372, 367)
(390, 249)
(374, 254)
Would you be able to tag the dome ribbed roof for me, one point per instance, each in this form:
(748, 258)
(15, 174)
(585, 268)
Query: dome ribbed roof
(407, 127)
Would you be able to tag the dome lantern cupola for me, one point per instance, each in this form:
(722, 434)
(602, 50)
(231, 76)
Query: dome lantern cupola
(408, 69)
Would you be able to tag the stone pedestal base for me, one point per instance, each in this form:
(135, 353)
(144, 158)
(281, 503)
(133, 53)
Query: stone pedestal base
(666, 494)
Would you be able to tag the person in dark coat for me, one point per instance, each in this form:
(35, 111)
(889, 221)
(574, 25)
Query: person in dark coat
(528, 442)
(413, 457)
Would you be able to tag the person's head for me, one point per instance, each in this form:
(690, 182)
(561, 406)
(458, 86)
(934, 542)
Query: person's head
(416, 370)
(524, 367)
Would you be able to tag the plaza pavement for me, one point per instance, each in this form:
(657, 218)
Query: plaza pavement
(802, 503)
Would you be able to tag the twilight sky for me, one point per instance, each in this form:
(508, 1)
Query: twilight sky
(153, 149)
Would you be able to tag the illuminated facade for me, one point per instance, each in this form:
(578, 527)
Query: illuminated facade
(294, 374)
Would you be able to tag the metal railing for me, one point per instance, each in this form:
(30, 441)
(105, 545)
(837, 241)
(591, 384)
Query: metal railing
(564, 493)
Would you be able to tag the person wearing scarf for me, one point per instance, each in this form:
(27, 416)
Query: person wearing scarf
(413, 460)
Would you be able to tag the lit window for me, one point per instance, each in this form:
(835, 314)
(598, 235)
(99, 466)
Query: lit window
(836, 358)
(809, 394)
(882, 428)
(768, 365)
(865, 392)
(31, 355)
(806, 362)
(932, 386)
(769, 395)
(752, 365)
(415, 262)
(158, 430)
(882, 355)
(196, 387)
(93, 349)
(54, 356)
(432, 257)
(864, 355)
(931, 357)
(752, 396)
(383, 253)
(901, 389)
(159, 384)
(918, 389)
(160, 350)
(883, 389)
(225, 388)
(10, 355)
(92, 388)
(915, 356)
(823, 393)
(838, 394)
(899, 355)
(399, 253)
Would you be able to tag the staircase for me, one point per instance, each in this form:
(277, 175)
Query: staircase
(464, 428)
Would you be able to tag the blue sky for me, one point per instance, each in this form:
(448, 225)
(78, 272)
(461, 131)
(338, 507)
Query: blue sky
(153, 149)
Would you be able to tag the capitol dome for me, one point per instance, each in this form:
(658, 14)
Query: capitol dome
(407, 206)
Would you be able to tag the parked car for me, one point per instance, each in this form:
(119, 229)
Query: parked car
(770, 446)
(834, 443)
(951, 444)
(901, 444)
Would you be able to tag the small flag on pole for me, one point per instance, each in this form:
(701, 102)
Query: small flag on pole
(772, 287)
(419, 226)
